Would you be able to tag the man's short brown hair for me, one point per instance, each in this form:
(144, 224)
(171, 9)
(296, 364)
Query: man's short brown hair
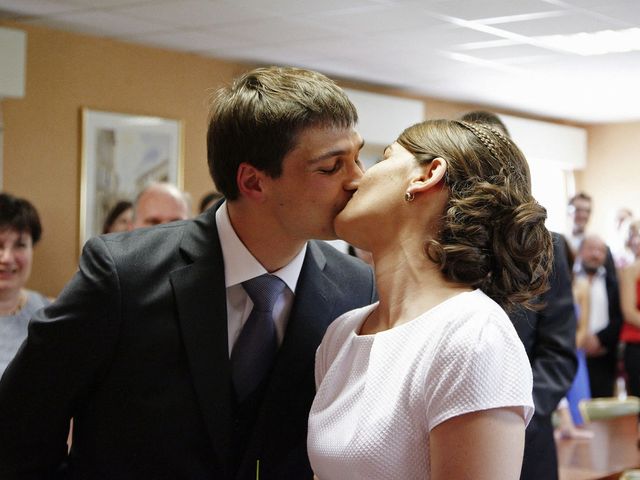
(258, 117)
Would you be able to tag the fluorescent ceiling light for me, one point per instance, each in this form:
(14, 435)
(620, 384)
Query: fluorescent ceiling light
(597, 43)
(526, 17)
(461, 57)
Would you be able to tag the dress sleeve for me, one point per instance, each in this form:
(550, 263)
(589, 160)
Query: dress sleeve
(480, 364)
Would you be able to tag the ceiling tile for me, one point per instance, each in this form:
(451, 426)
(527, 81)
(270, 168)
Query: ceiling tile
(434, 38)
(295, 7)
(106, 4)
(566, 24)
(481, 52)
(98, 23)
(377, 19)
(192, 13)
(469, 10)
(626, 12)
(192, 41)
(19, 8)
(507, 52)
(274, 30)
(533, 60)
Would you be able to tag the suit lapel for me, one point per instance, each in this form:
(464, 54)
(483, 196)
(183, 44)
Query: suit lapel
(200, 294)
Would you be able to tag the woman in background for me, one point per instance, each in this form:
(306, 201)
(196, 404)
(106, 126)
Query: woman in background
(630, 304)
(20, 230)
(119, 218)
(568, 409)
(209, 200)
(433, 382)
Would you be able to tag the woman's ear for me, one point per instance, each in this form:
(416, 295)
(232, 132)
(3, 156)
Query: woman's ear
(428, 175)
(250, 182)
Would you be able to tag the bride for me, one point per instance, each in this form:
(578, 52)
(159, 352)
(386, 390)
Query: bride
(432, 382)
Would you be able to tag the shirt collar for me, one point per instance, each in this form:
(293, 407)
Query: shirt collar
(240, 265)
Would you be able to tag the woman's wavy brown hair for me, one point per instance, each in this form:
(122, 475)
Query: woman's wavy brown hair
(492, 234)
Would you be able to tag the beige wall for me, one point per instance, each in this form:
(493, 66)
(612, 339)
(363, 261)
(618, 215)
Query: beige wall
(66, 72)
(612, 176)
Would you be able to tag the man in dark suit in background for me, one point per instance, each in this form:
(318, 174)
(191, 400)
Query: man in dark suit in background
(548, 336)
(594, 263)
(158, 203)
(142, 347)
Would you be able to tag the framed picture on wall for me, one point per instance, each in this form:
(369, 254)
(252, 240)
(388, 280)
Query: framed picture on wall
(120, 155)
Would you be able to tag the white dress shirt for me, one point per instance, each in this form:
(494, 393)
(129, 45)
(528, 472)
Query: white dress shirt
(598, 298)
(239, 266)
(575, 241)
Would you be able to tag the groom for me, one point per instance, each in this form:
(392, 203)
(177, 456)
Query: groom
(159, 348)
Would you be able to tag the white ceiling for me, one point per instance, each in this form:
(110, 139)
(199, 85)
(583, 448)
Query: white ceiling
(479, 51)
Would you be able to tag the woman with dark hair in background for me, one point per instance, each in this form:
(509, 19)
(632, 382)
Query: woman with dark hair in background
(209, 200)
(20, 230)
(432, 382)
(119, 218)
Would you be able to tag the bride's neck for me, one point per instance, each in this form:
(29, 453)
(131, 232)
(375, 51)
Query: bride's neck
(408, 285)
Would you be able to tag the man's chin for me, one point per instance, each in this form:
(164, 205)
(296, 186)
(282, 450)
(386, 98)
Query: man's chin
(327, 232)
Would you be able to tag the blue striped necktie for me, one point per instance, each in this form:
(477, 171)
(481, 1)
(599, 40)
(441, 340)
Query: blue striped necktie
(255, 350)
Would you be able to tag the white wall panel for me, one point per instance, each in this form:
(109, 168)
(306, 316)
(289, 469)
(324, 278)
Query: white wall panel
(13, 45)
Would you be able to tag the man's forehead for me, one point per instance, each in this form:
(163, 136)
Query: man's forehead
(595, 243)
(581, 203)
(319, 144)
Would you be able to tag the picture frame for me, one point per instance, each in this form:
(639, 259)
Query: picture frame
(120, 155)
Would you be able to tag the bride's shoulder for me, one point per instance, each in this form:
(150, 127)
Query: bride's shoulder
(348, 322)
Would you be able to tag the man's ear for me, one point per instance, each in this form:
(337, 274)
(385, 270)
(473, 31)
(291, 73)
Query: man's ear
(250, 182)
(428, 176)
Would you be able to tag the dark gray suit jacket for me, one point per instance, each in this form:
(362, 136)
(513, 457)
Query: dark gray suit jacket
(135, 350)
(549, 337)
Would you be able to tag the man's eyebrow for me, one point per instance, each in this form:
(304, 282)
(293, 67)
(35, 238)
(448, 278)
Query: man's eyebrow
(333, 153)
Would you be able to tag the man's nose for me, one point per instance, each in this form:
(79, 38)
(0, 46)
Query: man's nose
(355, 173)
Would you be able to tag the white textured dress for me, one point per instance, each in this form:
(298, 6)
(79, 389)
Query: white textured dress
(378, 396)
